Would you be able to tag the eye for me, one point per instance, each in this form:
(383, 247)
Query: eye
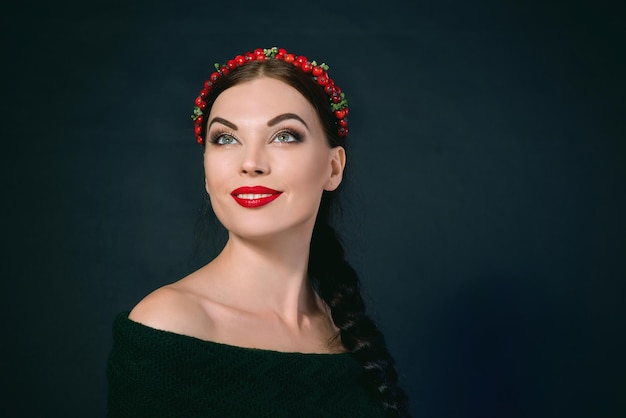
(223, 139)
(287, 136)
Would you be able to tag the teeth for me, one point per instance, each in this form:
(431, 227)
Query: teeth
(252, 196)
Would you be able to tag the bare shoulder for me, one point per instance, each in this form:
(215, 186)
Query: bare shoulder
(173, 308)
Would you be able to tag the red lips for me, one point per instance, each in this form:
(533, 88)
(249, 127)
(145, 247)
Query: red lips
(254, 196)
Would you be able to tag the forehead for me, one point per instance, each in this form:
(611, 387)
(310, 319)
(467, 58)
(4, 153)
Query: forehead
(262, 96)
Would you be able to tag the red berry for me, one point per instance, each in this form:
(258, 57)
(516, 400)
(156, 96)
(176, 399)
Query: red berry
(306, 67)
(214, 76)
(328, 88)
(290, 58)
(240, 60)
(198, 101)
(340, 114)
(342, 131)
(322, 80)
(249, 56)
(224, 70)
(301, 59)
(231, 64)
(258, 52)
(317, 71)
(282, 51)
(336, 98)
(343, 123)
(197, 129)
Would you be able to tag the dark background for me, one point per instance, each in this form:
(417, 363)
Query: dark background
(486, 207)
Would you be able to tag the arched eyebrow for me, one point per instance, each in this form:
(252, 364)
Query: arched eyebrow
(223, 122)
(286, 116)
(271, 122)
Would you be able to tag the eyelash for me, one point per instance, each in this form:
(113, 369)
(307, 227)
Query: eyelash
(297, 135)
(217, 135)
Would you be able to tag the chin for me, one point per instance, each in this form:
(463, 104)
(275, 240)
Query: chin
(253, 228)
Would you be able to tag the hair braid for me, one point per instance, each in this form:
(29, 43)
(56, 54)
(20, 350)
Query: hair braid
(338, 285)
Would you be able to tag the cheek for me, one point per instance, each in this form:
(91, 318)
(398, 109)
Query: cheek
(215, 170)
(312, 173)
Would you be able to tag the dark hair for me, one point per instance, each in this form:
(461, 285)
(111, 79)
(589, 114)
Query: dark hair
(331, 275)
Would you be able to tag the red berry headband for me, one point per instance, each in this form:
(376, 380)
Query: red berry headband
(319, 73)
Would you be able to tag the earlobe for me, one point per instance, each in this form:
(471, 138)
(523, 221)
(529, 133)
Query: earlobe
(337, 165)
(206, 186)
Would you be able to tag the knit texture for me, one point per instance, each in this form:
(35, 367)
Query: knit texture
(155, 373)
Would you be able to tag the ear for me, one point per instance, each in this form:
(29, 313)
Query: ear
(337, 164)
(206, 186)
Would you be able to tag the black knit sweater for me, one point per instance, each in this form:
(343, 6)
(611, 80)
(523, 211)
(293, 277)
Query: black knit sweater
(156, 373)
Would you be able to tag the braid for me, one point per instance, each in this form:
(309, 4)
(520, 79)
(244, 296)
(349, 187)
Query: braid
(338, 285)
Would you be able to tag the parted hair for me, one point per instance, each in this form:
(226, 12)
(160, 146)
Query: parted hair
(331, 275)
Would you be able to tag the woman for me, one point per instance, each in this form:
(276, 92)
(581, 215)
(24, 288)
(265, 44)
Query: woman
(274, 325)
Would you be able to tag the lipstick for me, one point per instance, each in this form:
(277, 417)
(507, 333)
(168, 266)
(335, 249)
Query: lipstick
(254, 196)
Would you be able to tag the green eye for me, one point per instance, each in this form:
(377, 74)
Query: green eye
(286, 136)
(225, 140)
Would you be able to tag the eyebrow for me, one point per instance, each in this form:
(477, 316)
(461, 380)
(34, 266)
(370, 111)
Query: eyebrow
(286, 116)
(271, 122)
(223, 122)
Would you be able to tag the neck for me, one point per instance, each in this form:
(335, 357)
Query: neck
(267, 276)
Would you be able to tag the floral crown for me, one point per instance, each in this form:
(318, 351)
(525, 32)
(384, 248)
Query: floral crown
(319, 73)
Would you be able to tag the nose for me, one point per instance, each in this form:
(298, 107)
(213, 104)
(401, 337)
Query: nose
(255, 161)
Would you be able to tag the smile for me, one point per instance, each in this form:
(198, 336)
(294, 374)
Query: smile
(254, 196)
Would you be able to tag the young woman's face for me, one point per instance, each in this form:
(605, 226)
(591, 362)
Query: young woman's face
(267, 160)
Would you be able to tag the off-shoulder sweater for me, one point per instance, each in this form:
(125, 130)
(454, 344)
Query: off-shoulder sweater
(155, 373)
